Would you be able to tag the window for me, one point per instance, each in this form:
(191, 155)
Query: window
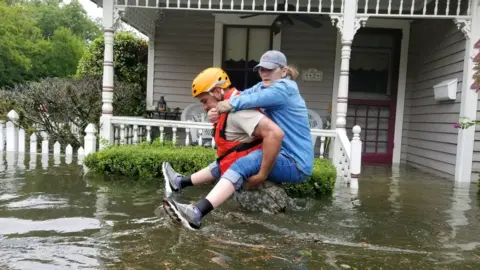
(242, 48)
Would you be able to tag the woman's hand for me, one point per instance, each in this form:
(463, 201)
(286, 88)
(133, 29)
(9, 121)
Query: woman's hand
(223, 106)
(213, 115)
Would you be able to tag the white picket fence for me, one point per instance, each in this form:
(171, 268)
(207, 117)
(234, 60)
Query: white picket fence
(13, 139)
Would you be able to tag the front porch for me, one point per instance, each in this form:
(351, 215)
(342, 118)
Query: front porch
(187, 36)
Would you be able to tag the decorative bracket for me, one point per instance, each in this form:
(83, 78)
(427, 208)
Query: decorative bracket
(118, 14)
(359, 22)
(464, 25)
(339, 24)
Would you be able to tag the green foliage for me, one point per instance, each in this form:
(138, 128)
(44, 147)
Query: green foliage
(51, 16)
(41, 38)
(130, 66)
(130, 56)
(143, 163)
(321, 182)
(69, 103)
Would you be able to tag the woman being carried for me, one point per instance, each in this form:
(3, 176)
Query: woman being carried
(281, 102)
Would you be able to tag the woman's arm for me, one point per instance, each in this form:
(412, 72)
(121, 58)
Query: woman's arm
(272, 96)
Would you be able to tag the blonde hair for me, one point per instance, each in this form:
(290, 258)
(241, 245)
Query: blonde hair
(292, 72)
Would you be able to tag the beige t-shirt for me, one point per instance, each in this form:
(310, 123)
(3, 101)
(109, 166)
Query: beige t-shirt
(241, 124)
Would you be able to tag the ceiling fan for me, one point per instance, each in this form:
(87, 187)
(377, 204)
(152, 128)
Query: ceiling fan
(286, 20)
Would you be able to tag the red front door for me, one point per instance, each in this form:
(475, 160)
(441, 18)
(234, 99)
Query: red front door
(373, 81)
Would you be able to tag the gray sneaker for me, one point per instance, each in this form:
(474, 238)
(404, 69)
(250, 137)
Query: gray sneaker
(186, 214)
(172, 179)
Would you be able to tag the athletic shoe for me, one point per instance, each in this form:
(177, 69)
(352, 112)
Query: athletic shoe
(186, 214)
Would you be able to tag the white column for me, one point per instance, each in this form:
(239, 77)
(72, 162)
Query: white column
(469, 97)
(106, 129)
(347, 24)
(150, 70)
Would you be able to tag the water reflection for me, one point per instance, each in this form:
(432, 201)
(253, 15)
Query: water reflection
(53, 216)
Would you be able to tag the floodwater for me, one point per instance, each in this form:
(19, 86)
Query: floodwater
(52, 216)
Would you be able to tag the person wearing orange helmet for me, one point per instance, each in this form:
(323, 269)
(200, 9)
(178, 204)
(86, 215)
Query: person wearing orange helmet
(248, 147)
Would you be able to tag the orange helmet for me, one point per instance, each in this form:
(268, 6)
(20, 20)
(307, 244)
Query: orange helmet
(208, 79)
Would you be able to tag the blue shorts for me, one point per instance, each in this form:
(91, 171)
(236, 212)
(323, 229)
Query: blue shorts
(284, 170)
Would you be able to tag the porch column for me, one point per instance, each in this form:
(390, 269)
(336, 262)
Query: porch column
(106, 128)
(348, 25)
(150, 70)
(469, 97)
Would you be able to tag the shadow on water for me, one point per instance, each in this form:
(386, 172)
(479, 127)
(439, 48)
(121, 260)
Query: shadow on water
(53, 216)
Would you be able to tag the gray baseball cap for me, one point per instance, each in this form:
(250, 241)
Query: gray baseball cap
(271, 60)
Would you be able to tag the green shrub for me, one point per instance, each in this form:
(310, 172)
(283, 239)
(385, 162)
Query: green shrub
(68, 102)
(143, 162)
(321, 182)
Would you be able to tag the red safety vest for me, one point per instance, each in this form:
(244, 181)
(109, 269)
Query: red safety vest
(229, 151)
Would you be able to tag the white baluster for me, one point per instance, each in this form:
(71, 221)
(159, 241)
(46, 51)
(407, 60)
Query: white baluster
(90, 144)
(122, 134)
(44, 142)
(174, 135)
(149, 136)
(200, 135)
(356, 157)
(33, 143)
(12, 131)
(161, 133)
(322, 146)
(56, 148)
(68, 154)
(187, 137)
(21, 140)
(2, 142)
(135, 134)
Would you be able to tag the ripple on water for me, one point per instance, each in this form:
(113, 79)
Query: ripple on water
(59, 225)
(39, 202)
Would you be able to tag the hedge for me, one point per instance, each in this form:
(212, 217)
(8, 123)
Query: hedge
(143, 162)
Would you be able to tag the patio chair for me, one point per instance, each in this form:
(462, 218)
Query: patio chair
(315, 122)
(195, 113)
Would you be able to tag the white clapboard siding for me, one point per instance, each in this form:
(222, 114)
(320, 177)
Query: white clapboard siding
(436, 52)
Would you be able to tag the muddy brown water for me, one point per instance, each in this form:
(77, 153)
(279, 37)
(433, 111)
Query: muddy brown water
(53, 216)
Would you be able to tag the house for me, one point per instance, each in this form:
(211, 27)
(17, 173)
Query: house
(402, 70)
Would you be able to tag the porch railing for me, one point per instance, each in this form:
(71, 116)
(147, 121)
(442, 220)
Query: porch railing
(133, 130)
(371, 8)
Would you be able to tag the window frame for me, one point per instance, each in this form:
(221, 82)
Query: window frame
(245, 70)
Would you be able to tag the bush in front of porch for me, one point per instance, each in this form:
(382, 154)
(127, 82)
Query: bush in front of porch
(143, 162)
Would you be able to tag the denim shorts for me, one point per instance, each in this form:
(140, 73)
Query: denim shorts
(284, 170)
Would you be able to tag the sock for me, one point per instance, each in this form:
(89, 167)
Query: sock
(204, 206)
(183, 181)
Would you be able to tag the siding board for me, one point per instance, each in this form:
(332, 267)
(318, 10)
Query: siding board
(305, 48)
(436, 54)
(183, 48)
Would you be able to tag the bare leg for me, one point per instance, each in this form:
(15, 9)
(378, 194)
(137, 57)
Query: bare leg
(203, 176)
(221, 192)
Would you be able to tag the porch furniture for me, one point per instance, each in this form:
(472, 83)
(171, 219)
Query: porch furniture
(167, 115)
(195, 113)
(315, 122)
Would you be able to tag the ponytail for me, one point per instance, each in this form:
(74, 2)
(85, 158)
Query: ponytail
(292, 73)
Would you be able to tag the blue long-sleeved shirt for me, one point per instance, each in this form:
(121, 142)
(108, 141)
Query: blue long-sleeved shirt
(284, 105)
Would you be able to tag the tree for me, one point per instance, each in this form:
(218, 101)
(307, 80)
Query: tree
(18, 38)
(42, 38)
(53, 14)
(59, 56)
(130, 56)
